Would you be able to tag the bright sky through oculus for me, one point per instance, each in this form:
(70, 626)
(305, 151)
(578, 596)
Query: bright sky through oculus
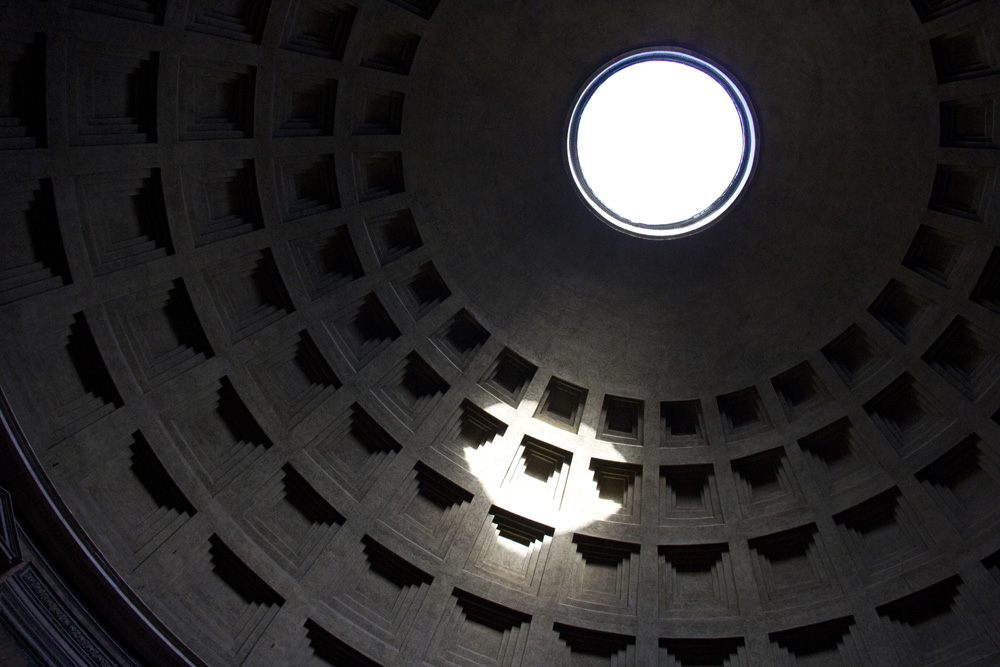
(659, 142)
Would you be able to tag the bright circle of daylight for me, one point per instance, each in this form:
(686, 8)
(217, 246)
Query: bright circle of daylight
(659, 143)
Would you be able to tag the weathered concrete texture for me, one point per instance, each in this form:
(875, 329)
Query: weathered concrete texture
(322, 358)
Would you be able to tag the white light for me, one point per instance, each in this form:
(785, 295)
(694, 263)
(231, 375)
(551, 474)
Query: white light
(580, 505)
(660, 147)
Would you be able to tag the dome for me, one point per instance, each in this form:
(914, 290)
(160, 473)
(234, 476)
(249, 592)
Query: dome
(313, 353)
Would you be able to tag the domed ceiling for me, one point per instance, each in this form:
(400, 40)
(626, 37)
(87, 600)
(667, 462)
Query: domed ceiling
(311, 352)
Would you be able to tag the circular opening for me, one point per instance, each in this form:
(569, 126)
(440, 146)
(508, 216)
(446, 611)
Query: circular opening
(661, 142)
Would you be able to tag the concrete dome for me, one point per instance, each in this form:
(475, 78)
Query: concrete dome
(311, 352)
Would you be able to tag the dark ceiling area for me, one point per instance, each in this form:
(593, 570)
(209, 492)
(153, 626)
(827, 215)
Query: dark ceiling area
(311, 353)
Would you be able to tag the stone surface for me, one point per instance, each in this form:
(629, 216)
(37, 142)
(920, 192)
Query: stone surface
(320, 357)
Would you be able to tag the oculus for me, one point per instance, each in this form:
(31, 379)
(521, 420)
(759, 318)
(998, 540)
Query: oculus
(661, 142)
